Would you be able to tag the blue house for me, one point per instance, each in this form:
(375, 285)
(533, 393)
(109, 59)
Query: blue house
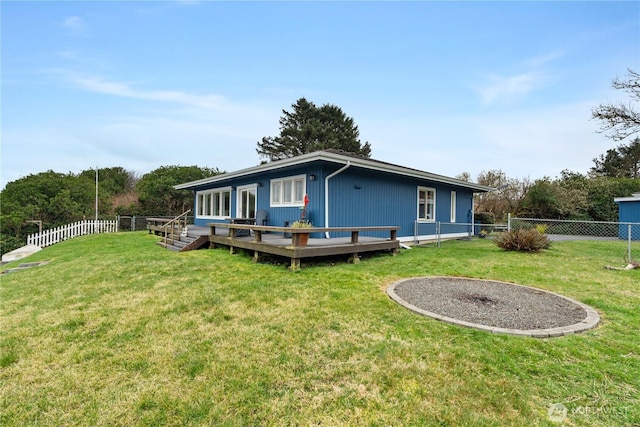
(343, 190)
(629, 212)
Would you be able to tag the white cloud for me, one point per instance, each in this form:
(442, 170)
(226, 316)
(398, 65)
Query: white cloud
(544, 59)
(524, 143)
(99, 85)
(500, 88)
(140, 141)
(175, 127)
(75, 25)
(507, 88)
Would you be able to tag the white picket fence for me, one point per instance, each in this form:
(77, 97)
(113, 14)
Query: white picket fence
(69, 231)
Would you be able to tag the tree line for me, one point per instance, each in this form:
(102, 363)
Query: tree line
(570, 196)
(57, 199)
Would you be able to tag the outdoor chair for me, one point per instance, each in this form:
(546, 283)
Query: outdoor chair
(262, 217)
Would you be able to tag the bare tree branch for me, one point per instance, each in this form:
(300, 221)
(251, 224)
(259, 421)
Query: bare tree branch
(621, 120)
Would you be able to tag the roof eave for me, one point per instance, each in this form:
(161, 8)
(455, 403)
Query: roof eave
(626, 199)
(292, 161)
(335, 158)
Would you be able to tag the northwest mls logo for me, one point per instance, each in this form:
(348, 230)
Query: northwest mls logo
(557, 412)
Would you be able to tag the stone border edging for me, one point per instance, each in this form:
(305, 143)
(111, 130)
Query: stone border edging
(592, 319)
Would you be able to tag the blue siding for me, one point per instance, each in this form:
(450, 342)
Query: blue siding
(357, 197)
(629, 212)
(277, 215)
(366, 198)
(361, 198)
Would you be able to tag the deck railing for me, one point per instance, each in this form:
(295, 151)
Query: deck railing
(69, 231)
(297, 248)
(170, 227)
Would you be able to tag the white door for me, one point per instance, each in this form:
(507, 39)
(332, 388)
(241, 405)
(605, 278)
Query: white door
(246, 201)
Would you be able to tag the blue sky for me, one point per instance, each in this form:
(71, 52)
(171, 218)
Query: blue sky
(447, 87)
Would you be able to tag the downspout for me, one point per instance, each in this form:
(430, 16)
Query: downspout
(473, 214)
(326, 195)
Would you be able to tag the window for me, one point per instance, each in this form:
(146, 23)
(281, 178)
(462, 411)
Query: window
(276, 192)
(246, 201)
(453, 206)
(213, 203)
(287, 194)
(288, 191)
(426, 204)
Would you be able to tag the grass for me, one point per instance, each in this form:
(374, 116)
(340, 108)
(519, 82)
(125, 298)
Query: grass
(118, 331)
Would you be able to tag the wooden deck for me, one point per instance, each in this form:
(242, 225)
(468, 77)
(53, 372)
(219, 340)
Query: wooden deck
(271, 240)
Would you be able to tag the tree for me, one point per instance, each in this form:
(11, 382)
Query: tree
(50, 197)
(620, 162)
(507, 197)
(602, 191)
(541, 200)
(621, 120)
(572, 195)
(156, 192)
(464, 176)
(309, 128)
(117, 190)
(116, 180)
(57, 199)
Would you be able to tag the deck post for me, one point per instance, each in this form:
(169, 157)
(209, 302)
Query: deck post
(295, 264)
(259, 247)
(394, 236)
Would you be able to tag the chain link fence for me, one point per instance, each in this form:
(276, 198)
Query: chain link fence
(626, 233)
(559, 230)
(573, 230)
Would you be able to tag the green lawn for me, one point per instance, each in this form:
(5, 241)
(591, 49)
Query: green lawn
(116, 331)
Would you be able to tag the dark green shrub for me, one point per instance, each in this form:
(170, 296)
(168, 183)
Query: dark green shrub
(484, 217)
(529, 240)
(9, 243)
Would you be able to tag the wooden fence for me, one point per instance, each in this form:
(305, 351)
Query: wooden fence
(69, 231)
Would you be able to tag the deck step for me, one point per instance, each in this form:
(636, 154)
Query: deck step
(195, 243)
(178, 243)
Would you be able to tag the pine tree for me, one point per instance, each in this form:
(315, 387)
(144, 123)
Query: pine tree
(309, 128)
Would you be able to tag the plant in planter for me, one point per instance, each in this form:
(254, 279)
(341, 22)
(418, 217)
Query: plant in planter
(301, 239)
(301, 223)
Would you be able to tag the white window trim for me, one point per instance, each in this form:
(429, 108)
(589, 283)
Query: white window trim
(292, 180)
(212, 192)
(454, 206)
(427, 189)
(238, 196)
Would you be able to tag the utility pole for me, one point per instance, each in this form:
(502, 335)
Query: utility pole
(96, 193)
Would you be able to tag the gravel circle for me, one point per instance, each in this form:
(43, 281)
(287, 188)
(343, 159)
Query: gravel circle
(494, 306)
